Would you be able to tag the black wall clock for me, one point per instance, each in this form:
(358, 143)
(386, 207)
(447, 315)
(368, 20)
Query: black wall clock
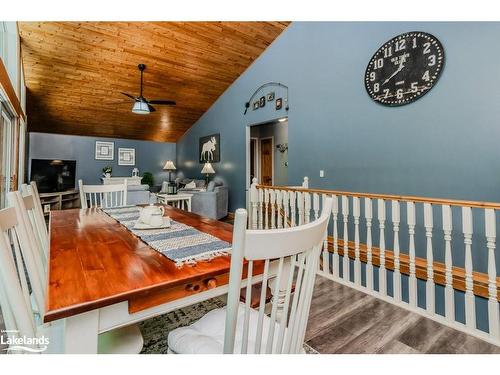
(404, 69)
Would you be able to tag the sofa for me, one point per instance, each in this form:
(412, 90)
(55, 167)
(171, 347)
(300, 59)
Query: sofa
(209, 201)
(138, 194)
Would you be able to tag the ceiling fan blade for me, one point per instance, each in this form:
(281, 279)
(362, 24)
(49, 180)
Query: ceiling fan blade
(130, 96)
(163, 102)
(151, 108)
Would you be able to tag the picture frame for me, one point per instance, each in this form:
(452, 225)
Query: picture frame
(209, 150)
(270, 96)
(126, 156)
(262, 101)
(104, 150)
(279, 103)
(255, 105)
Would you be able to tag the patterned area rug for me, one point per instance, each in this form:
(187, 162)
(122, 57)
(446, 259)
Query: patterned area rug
(155, 330)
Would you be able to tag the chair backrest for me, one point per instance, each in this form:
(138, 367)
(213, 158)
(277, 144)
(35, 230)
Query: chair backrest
(14, 292)
(35, 214)
(31, 250)
(103, 196)
(291, 258)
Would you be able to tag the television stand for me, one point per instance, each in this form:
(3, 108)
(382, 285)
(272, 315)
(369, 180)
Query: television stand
(59, 201)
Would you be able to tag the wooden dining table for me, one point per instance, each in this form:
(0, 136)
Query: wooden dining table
(101, 276)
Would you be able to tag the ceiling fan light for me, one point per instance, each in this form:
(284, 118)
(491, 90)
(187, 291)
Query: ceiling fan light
(140, 108)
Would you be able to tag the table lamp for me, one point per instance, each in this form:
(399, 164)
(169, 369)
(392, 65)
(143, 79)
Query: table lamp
(172, 187)
(207, 170)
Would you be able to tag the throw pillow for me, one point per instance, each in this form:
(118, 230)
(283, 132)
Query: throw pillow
(191, 185)
(211, 186)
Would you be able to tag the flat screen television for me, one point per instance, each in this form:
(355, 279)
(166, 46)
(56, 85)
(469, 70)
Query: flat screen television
(54, 175)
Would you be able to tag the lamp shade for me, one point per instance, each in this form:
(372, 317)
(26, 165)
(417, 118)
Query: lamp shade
(140, 108)
(169, 165)
(208, 169)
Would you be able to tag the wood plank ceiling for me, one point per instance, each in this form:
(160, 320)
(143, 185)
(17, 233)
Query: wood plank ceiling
(75, 72)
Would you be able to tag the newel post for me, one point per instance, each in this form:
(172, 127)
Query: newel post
(254, 200)
(305, 184)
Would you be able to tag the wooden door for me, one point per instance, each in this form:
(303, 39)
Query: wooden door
(266, 161)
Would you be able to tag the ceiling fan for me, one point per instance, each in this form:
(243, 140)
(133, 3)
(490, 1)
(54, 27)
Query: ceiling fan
(142, 106)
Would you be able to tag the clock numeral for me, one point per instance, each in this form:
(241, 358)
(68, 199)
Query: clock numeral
(414, 86)
(400, 44)
(414, 42)
(372, 76)
(379, 63)
(426, 76)
(427, 48)
(432, 60)
(388, 52)
(376, 87)
(399, 93)
(386, 92)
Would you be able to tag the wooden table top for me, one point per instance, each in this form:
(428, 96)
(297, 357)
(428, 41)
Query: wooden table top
(95, 261)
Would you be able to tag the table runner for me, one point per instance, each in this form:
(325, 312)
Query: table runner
(180, 243)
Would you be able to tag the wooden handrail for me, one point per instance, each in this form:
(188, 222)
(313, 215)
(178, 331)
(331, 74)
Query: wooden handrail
(402, 198)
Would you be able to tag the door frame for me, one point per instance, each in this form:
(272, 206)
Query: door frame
(272, 158)
(256, 159)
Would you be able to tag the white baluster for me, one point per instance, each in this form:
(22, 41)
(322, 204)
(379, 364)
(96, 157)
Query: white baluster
(279, 209)
(326, 261)
(357, 260)
(470, 310)
(369, 263)
(336, 258)
(261, 213)
(396, 218)
(382, 275)
(254, 202)
(307, 208)
(345, 261)
(449, 299)
(429, 284)
(286, 209)
(266, 208)
(410, 208)
(300, 206)
(293, 214)
(493, 311)
(272, 202)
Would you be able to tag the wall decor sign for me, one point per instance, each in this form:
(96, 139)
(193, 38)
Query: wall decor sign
(262, 101)
(279, 103)
(404, 69)
(104, 150)
(210, 148)
(270, 96)
(126, 156)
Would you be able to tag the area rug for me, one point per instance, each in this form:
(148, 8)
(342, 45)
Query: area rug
(155, 330)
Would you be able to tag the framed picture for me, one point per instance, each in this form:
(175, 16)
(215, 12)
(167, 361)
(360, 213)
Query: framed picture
(255, 105)
(262, 101)
(104, 150)
(210, 148)
(279, 103)
(270, 96)
(126, 156)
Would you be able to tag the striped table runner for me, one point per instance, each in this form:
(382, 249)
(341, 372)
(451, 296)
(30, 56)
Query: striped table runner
(180, 243)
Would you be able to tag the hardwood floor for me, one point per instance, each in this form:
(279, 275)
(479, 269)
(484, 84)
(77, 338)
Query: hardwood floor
(345, 321)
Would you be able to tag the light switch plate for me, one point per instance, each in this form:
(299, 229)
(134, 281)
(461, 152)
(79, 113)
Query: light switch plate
(321, 173)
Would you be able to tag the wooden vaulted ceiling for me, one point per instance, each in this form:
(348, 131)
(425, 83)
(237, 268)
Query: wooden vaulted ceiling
(75, 71)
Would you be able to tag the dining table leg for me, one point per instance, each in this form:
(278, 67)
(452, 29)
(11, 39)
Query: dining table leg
(81, 333)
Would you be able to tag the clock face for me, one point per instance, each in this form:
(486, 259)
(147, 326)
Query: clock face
(404, 69)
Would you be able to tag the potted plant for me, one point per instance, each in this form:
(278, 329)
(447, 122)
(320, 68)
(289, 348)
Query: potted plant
(148, 179)
(107, 171)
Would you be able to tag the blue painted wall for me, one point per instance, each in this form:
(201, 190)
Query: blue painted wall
(443, 145)
(149, 156)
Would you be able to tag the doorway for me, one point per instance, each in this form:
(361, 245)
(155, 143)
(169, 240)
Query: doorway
(266, 161)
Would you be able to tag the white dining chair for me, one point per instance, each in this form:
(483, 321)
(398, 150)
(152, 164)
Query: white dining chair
(103, 196)
(291, 258)
(19, 264)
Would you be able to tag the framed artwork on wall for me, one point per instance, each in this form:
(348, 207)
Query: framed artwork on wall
(210, 148)
(126, 156)
(104, 150)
